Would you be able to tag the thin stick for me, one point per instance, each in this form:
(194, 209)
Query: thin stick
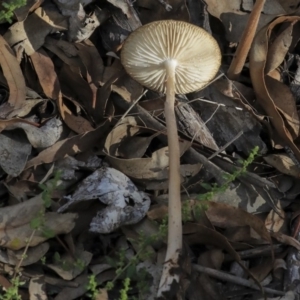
(226, 145)
(174, 207)
(246, 41)
(234, 279)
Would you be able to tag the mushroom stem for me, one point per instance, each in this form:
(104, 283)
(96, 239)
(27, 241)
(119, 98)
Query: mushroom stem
(174, 206)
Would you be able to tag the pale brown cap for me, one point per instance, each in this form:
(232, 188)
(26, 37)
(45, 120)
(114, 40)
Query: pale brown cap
(147, 49)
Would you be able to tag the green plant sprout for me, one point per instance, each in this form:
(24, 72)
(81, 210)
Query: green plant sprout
(92, 290)
(38, 223)
(68, 265)
(127, 268)
(12, 293)
(197, 210)
(214, 188)
(126, 288)
(7, 13)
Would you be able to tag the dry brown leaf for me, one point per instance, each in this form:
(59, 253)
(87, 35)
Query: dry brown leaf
(33, 255)
(157, 212)
(13, 74)
(48, 79)
(279, 49)
(66, 51)
(45, 71)
(261, 270)
(235, 17)
(102, 295)
(45, 19)
(258, 57)
(15, 228)
(69, 146)
(92, 61)
(198, 234)
(126, 150)
(285, 103)
(225, 216)
(22, 12)
(15, 122)
(283, 163)
(25, 109)
(274, 222)
(67, 268)
(287, 240)
(74, 86)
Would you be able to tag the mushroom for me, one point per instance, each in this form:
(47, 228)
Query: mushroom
(171, 57)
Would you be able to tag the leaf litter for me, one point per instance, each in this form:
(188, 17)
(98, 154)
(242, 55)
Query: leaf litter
(84, 155)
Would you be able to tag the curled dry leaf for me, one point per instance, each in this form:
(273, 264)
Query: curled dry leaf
(44, 69)
(69, 146)
(48, 79)
(284, 164)
(274, 96)
(67, 268)
(275, 220)
(279, 49)
(126, 146)
(13, 74)
(22, 12)
(15, 226)
(92, 61)
(234, 15)
(44, 136)
(24, 109)
(125, 203)
(287, 240)
(33, 255)
(46, 19)
(225, 216)
(199, 234)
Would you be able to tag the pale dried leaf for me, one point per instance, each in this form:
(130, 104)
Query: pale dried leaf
(37, 288)
(46, 19)
(13, 74)
(44, 136)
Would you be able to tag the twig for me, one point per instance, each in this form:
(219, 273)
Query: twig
(246, 41)
(131, 106)
(17, 268)
(226, 145)
(234, 279)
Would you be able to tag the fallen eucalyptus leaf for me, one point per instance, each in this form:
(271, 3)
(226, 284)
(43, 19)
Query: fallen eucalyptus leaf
(15, 228)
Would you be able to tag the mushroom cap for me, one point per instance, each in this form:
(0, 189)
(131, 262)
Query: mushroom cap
(195, 52)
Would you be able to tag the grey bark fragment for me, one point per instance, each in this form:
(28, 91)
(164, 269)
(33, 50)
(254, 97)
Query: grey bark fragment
(125, 203)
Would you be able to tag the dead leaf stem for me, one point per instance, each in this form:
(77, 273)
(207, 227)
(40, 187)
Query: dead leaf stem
(246, 41)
